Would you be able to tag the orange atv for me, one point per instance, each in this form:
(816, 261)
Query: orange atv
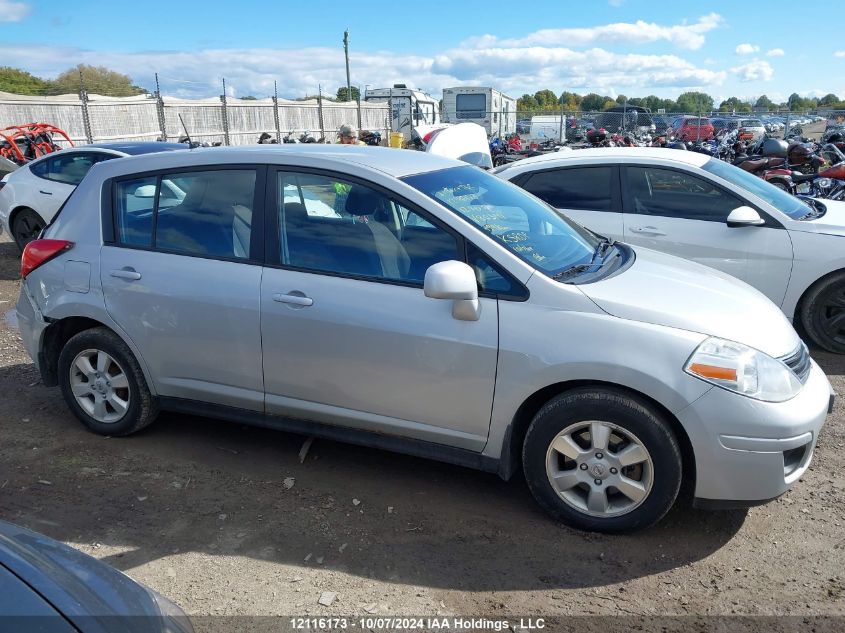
(23, 143)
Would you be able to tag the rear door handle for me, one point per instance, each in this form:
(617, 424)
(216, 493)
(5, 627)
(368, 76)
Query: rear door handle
(46, 193)
(126, 273)
(647, 230)
(295, 297)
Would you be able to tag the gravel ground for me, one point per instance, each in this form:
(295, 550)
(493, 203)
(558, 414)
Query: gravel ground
(225, 520)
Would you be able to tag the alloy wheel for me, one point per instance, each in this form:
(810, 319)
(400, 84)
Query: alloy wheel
(100, 385)
(599, 468)
(832, 314)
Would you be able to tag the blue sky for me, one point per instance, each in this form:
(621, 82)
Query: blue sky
(630, 47)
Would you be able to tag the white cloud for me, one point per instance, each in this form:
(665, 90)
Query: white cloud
(746, 49)
(299, 71)
(758, 70)
(776, 52)
(839, 54)
(688, 36)
(13, 11)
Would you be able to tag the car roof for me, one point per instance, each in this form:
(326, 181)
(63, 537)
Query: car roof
(562, 159)
(134, 148)
(394, 162)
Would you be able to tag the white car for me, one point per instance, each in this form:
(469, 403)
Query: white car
(703, 209)
(31, 195)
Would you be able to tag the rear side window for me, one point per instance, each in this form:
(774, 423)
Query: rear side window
(202, 213)
(70, 168)
(588, 188)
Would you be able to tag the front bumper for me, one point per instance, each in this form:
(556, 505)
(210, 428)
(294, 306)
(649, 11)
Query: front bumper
(748, 452)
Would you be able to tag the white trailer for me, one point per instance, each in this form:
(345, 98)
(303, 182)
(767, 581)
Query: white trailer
(489, 108)
(410, 108)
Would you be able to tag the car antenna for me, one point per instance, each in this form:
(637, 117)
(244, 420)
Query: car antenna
(188, 134)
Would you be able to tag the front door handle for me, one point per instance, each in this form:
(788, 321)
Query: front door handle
(647, 230)
(295, 297)
(126, 273)
(46, 193)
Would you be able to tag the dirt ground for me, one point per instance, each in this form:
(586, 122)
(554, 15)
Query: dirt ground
(204, 512)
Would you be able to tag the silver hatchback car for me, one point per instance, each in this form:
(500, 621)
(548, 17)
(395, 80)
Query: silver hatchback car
(411, 302)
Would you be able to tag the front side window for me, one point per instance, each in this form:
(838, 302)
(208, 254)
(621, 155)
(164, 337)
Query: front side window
(527, 227)
(743, 180)
(587, 188)
(670, 193)
(203, 213)
(328, 224)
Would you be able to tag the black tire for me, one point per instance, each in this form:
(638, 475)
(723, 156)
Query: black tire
(26, 227)
(627, 412)
(143, 407)
(823, 313)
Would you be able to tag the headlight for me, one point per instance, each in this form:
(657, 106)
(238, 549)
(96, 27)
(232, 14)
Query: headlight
(744, 370)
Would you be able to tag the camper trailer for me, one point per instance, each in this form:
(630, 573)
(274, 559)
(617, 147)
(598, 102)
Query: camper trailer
(491, 109)
(410, 108)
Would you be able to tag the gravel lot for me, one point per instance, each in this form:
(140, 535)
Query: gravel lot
(225, 520)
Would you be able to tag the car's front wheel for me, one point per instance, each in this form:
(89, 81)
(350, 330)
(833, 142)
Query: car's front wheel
(26, 226)
(602, 460)
(103, 384)
(823, 313)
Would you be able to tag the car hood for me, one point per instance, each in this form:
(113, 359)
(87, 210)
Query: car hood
(90, 594)
(666, 290)
(464, 141)
(831, 223)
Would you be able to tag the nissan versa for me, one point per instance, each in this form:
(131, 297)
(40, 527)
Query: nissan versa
(411, 302)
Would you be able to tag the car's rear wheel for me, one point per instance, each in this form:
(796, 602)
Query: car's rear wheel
(103, 384)
(26, 226)
(823, 313)
(602, 460)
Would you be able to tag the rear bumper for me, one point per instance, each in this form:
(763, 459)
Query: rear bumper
(748, 452)
(31, 324)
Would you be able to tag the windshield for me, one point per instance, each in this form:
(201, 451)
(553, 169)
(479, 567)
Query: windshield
(778, 198)
(520, 222)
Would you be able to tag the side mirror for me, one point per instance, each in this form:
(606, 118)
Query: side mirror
(455, 281)
(145, 191)
(744, 216)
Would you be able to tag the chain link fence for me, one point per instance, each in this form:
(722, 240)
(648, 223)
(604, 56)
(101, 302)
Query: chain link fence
(94, 118)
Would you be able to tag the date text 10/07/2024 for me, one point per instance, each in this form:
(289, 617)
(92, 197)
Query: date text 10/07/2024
(466, 625)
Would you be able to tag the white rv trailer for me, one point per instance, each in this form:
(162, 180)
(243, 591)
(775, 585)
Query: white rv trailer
(410, 108)
(491, 109)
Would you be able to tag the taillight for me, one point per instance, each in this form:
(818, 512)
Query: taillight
(428, 137)
(40, 252)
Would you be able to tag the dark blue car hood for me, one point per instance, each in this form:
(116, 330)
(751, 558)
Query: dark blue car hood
(90, 594)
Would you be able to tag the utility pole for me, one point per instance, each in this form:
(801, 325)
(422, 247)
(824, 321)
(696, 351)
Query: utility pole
(346, 55)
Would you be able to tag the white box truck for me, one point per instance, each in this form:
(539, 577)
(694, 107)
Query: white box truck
(411, 108)
(491, 109)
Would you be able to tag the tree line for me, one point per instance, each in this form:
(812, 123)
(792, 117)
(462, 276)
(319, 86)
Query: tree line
(95, 79)
(548, 101)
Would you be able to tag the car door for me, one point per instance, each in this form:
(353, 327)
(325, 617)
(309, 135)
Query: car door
(181, 275)
(349, 338)
(587, 194)
(58, 176)
(684, 214)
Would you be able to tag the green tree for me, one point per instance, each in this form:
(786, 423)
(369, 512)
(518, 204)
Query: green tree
(546, 99)
(249, 98)
(695, 102)
(621, 99)
(764, 102)
(829, 100)
(527, 103)
(97, 80)
(342, 94)
(734, 104)
(21, 82)
(570, 100)
(593, 102)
